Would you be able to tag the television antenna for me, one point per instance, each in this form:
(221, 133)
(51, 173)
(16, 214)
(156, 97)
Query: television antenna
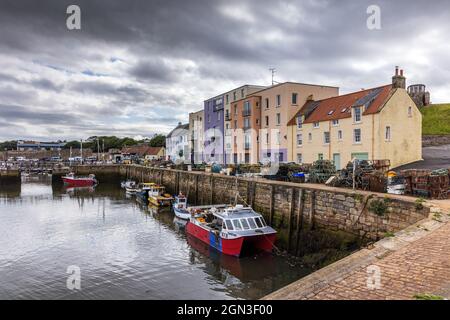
(273, 70)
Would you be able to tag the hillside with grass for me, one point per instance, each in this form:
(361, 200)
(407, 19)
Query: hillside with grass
(436, 119)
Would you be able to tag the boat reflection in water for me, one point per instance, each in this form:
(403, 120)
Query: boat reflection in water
(245, 269)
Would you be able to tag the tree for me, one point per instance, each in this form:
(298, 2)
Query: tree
(158, 141)
(10, 145)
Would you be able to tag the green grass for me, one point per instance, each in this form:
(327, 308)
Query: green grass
(427, 296)
(436, 119)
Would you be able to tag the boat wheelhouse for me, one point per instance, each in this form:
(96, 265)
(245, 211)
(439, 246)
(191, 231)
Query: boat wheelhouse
(180, 207)
(157, 196)
(231, 229)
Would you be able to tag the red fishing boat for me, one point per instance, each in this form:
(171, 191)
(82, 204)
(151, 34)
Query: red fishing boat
(232, 228)
(74, 181)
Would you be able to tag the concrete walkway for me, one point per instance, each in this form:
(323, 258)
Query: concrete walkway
(415, 261)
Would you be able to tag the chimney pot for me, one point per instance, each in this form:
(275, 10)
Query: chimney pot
(401, 72)
(396, 70)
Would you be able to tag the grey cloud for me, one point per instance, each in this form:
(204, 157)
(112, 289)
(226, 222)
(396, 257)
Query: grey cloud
(138, 45)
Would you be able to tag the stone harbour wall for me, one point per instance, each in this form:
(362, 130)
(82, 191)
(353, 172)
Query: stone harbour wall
(288, 207)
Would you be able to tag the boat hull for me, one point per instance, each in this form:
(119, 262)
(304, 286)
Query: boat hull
(159, 202)
(230, 247)
(79, 182)
(182, 213)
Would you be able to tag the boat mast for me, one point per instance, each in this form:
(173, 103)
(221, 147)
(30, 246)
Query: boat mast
(81, 151)
(98, 149)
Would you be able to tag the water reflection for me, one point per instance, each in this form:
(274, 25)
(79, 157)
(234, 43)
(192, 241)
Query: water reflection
(125, 249)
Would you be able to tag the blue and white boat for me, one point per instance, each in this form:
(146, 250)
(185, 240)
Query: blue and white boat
(180, 207)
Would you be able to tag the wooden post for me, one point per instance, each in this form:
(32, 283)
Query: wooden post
(312, 209)
(291, 216)
(272, 204)
(211, 183)
(196, 189)
(299, 219)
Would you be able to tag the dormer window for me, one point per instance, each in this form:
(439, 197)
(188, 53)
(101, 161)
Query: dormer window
(299, 122)
(316, 125)
(343, 110)
(335, 122)
(357, 114)
(331, 112)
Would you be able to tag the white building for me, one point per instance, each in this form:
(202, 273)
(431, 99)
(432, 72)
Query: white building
(196, 131)
(178, 144)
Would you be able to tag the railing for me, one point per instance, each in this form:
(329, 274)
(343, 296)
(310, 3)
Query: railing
(227, 117)
(246, 113)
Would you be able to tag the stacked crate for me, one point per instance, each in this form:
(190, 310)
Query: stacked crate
(427, 183)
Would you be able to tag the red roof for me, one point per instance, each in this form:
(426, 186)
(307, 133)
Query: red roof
(340, 107)
(142, 150)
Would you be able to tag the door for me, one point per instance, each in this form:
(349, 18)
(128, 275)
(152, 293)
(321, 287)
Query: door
(360, 156)
(337, 161)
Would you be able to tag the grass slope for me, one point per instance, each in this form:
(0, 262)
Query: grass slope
(436, 119)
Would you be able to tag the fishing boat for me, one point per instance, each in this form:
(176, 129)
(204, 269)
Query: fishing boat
(231, 229)
(157, 196)
(142, 191)
(128, 184)
(180, 207)
(72, 180)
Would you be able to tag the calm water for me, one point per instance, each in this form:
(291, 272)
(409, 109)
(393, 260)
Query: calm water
(124, 250)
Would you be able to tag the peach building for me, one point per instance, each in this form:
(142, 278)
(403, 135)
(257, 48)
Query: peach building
(245, 121)
(279, 104)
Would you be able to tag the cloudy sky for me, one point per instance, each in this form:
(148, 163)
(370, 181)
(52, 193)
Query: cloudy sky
(138, 67)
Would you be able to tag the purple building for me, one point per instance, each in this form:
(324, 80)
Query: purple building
(214, 130)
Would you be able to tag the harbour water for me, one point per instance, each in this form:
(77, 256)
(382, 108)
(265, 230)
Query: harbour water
(124, 250)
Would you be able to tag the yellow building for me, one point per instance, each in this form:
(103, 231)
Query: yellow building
(373, 124)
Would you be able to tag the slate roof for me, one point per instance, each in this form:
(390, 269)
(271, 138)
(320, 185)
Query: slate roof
(340, 107)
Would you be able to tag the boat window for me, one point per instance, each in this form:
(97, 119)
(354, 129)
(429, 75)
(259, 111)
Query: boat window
(245, 224)
(258, 222)
(252, 223)
(224, 226)
(263, 222)
(229, 225)
(237, 224)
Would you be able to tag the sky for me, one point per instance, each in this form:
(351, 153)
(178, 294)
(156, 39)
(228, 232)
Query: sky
(136, 68)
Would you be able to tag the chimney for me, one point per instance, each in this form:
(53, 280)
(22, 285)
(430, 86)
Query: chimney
(398, 81)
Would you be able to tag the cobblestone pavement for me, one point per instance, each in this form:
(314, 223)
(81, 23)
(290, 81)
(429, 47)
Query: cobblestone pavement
(414, 262)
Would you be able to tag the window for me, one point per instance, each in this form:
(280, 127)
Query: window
(227, 99)
(299, 139)
(234, 96)
(235, 124)
(294, 98)
(278, 100)
(316, 125)
(267, 138)
(245, 224)
(340, 135)
(299, 122)
(357, 114)
(258, 222)
(278, 137)
(278, 119)
(209, 117)
(235, 109)
(326, 137)
(252, 223)
(357, 135)
(218, 115)
(267, 103)
(388, 133)
(320, 156)
(246, 123)
(299, 158)
(310, 137)
(410, 112)
(335, 123)
(330, 112)
(229, 225)
(267, 120)
(257, 121)
(237, 224)
(242, 93)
